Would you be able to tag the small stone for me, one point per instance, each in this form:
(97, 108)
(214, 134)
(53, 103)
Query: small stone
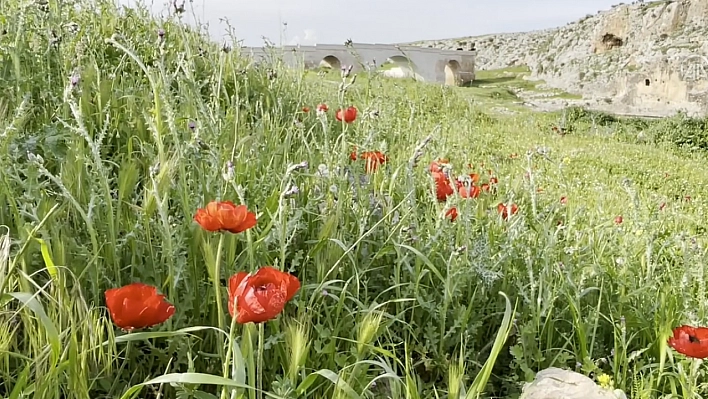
(555, 383)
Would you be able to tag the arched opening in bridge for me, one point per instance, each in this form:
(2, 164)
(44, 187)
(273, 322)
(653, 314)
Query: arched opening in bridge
(399, 66)
(331, 62)
(452, 73)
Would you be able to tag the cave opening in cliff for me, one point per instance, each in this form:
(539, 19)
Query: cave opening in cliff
(611, 41)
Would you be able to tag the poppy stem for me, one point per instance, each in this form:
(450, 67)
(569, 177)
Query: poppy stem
(228, 360)
(216, 277)
(261, 335)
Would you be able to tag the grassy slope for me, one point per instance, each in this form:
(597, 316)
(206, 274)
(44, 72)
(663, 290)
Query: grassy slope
(504, 85)
(108, 173)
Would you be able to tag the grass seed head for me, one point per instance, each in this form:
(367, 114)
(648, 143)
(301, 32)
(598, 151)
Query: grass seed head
(368, 329)
(298, 341)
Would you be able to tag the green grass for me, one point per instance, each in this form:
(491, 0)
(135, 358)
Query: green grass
(567, 96)
(102, 173)
(501, 86)
(656, 3)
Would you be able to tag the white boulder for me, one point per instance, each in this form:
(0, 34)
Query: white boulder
(555, 383)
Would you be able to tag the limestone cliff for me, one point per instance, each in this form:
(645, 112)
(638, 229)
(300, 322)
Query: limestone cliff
(644, 57)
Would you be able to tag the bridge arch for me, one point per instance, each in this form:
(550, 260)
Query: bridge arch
(399, 66)
(452, 73)
(331, 62)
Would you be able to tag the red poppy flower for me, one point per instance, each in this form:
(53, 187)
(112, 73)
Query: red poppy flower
(443, 188)
(352, 155)
(305, 109)
(504, 210)
(619, 219)
(437, 166)
(470, 191)
(321, 108)
(452, 214)
(225, 216)
(137, 306)
(373, 160)
(690, 341)
(564, 200)
(474, 177)
(260, 296)
(348, 115)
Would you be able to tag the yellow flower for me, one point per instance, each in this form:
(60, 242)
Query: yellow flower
(566, 160)
(605, 381)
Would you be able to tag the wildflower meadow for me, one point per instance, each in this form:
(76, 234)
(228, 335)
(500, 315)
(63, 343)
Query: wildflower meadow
(179, 221)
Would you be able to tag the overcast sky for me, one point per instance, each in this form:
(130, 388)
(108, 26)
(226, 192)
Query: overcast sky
(379, 21)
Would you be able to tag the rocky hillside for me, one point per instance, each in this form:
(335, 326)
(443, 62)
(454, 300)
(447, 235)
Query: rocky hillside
(644, 57)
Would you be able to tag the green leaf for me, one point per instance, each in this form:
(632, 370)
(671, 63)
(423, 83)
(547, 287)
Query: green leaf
(141, 336)
(18, 255)
(425, 260)
(330, 375)
(190, 378)
(238, 367)
(480, 381)
(203, 395)
(31, 302)
(306, 383)
(18, 390)
(51, 268)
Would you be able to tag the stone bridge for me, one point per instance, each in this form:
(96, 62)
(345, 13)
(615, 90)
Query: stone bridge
(450, 67)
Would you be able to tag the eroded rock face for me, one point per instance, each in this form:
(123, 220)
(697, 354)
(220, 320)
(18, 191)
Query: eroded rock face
(555, 383)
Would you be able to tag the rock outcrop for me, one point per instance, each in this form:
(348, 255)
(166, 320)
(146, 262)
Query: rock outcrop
(647, 57)
(555, 383)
